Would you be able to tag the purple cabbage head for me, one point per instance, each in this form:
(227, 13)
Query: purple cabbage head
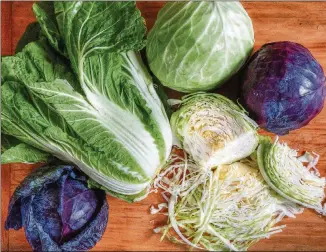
(283, 87)
(58, 211)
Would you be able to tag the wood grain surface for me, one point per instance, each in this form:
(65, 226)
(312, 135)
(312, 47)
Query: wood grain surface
(130, 225)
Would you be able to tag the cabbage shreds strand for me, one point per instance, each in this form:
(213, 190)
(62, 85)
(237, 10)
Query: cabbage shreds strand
(229, 208)
(286, 173)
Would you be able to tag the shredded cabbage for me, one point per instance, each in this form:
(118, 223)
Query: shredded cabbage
(228, 208)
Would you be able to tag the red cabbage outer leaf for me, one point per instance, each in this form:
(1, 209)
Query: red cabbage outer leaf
(283, 87)
(58, 211)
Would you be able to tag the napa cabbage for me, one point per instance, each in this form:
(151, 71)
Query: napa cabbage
(82, 93)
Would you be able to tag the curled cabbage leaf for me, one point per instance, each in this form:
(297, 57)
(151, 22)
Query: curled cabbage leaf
(197, 46)
(213, 129)
(57, 210)
(284, 171)
(229, 208)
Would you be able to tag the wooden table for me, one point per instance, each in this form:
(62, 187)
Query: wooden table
(130, 225)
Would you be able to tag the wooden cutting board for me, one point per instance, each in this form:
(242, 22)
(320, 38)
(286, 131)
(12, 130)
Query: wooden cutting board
(130, 225)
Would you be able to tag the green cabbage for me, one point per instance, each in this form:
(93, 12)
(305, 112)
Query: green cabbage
(284, 171)
(197, 46)
(213, 129)
(85, 96)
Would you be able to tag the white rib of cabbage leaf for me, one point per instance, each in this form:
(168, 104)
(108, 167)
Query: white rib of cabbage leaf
(286, 174)
(213, 129)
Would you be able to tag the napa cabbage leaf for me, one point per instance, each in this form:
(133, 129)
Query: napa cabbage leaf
(15, 151)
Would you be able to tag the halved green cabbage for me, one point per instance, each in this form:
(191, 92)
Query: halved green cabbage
(213, 129)
(286, 174)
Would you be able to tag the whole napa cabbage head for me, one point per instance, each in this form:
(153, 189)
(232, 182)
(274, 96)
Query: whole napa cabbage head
(97, 106)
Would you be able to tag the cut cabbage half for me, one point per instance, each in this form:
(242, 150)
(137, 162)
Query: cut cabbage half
(214, 130)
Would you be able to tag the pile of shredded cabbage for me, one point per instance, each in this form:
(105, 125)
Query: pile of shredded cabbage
(228, 208)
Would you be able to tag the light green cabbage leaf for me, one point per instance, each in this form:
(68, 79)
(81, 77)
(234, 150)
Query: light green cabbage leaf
(15, 151)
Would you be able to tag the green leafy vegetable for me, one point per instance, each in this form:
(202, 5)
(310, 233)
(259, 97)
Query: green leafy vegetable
(15, 151)
(198, 45)
(285, 173)
(44, 12)
(23, 153)
(213, 129)
(95, 107)
(8, 142)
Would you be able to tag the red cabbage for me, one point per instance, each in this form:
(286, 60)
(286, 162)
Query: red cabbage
(283, 87)
(58, 211)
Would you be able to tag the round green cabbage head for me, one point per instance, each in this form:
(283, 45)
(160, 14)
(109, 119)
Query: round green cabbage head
(197, 46)
(213, 129)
